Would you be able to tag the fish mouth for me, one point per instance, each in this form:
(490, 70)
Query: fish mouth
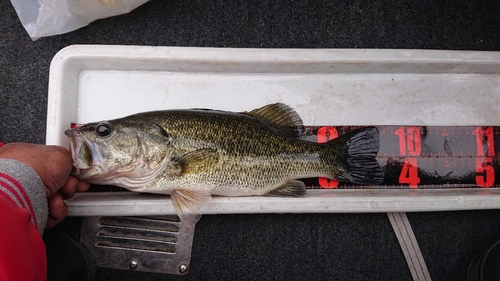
(84, 152)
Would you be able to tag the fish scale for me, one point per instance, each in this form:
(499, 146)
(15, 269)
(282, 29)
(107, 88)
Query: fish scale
(248, 157)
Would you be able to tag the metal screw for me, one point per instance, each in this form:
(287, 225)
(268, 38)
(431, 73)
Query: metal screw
(183, 268)
(133, 264)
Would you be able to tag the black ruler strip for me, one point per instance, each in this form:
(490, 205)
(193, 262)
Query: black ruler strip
(420, 157)
(424, 157)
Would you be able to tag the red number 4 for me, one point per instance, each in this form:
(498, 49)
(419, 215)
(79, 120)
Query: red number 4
(409, 173)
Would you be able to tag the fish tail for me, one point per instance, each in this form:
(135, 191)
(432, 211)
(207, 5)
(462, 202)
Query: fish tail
(357, 158)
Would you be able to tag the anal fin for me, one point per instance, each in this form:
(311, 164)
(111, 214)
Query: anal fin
(292, 188)
(187, 203)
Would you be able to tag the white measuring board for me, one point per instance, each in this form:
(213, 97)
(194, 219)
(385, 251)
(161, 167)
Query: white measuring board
(325, 86)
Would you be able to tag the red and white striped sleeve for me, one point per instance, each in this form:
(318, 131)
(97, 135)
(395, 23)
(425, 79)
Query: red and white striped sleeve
(23, 215)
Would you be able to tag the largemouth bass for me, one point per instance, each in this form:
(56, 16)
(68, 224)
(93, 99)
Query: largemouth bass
(194, 154)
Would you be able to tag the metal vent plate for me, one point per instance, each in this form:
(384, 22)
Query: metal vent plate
(155, 243)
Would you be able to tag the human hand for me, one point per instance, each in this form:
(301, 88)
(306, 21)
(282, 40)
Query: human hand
(53, 164)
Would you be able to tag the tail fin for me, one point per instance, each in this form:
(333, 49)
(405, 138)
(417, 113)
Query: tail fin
(360, 148)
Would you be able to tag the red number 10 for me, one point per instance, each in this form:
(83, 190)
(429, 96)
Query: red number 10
(409, 138)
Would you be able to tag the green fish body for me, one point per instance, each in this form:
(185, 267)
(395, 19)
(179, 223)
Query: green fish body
(193, 154)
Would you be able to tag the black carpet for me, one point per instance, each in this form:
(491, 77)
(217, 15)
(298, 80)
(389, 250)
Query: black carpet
(275, 247)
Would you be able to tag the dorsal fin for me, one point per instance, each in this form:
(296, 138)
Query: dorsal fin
(278, 114)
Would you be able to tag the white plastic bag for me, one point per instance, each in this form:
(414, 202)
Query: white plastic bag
(50, 17)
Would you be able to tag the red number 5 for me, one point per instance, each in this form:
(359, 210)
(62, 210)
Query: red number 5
(485, 173)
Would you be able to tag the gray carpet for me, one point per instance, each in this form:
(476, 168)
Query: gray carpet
(275, 247)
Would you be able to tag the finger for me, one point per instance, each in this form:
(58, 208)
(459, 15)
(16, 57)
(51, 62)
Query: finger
(82, 186)
(69, 188)
(57, 210)
(72, 186)
(50, 191)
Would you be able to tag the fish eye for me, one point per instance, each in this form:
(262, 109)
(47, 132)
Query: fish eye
(103, 130)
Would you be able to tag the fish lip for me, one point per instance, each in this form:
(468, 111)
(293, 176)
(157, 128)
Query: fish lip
(75, 144)
(77, 141)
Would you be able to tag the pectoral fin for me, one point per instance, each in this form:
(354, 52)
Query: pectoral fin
(186, 203)
(292, 188)
(197, 161)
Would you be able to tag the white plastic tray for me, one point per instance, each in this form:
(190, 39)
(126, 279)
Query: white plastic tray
(325, 86)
